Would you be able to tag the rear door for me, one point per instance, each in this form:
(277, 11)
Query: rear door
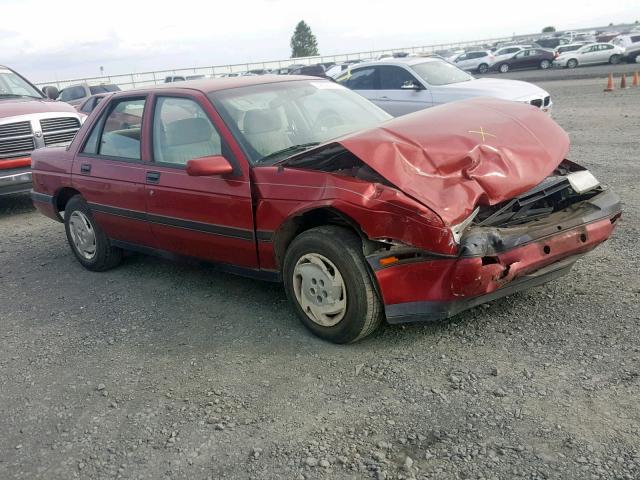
(208, 218)
(109, 171)
(394, 92)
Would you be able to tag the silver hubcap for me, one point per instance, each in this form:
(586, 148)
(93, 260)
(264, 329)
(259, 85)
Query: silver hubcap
(82, 234)
(504, 68)
(320, 289)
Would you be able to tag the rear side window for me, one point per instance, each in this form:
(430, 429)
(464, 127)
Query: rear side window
(635, 39)
(182, 131)
(117, 132)
(392, 78)
(362, 79)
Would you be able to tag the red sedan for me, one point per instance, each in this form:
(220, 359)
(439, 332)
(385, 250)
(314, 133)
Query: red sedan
(300, 180)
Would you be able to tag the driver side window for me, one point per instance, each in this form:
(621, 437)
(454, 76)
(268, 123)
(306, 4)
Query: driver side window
(182, 131)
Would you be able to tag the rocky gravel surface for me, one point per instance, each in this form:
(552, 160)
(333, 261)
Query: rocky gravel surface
(165, 371)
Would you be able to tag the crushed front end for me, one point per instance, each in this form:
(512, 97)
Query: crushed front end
(516, 244)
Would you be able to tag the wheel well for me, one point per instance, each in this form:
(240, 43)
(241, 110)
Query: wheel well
(294, 226)
(62, 197)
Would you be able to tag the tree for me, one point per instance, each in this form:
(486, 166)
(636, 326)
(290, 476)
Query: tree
(303, 42)
(549, 29)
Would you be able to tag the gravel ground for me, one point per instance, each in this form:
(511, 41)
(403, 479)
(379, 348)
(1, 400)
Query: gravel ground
(161, 370)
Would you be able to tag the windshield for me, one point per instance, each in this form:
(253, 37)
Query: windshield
(437, 72)
(103, 88)
(12, 85)
(275, 120)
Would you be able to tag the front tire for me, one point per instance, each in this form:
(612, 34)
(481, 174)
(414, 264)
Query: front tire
(327, 280)
(88, 242)
(614, 59)
(504, 68)
(483, 68)
(572, 63)
(544, 64)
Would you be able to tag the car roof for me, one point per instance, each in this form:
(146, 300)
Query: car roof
(409, 61)
(208, 85)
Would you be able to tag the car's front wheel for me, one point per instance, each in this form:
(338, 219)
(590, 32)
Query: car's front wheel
(544, 64)
(483, 68)
(88, 242)
(504, 68)
(327, 279)
(572, 63)
(614, 59)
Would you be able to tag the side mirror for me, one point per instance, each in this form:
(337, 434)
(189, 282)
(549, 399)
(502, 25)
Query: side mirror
(409, 85)
(209, 166)
(50, 92)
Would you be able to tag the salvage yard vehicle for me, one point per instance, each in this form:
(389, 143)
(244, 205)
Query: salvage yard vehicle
(590, 54)
(401, 86)
(28, 120)
(529, 58)
(300, 180)
(475, 61)
(76, 94)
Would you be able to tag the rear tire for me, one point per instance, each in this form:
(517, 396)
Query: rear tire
(483, 68)
(572, 63)
(88, 242)
(614, 59)
(504, 68)
(544, 64)
(324, 268)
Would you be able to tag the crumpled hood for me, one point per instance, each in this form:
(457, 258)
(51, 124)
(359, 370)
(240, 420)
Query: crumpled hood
(13, 107)
(439, 157)
(498, 88)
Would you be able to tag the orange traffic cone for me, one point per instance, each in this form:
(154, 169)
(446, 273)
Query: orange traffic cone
(623, 81)
(609, 84)
(634, 82)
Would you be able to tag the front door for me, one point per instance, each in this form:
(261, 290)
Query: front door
(209, 217)
(110, 173)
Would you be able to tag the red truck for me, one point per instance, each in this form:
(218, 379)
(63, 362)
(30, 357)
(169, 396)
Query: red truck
(28, 120)
(298, 179)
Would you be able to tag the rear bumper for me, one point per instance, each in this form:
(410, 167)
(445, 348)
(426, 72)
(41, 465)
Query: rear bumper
(15, 180)
(495, 263)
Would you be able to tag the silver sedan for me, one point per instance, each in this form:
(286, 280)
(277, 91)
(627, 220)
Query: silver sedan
(404, 85)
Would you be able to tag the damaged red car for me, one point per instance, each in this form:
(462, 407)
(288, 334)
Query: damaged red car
(297, 179)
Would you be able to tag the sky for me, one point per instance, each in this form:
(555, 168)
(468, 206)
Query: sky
(67, 39)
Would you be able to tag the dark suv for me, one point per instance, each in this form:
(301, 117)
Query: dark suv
(77, 94)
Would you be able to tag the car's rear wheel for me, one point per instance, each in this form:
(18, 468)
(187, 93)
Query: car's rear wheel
(572, 63)
(483, 68)
(614, 59)
(327, 279)
(504, 68)
(88, 242)
(544, 64)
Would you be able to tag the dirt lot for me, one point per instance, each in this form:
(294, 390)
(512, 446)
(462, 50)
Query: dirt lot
(157, 370)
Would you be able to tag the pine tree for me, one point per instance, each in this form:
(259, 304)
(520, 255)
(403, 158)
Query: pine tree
(303, 42)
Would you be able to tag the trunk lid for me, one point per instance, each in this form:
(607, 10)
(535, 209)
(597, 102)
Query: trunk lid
(457, 156)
